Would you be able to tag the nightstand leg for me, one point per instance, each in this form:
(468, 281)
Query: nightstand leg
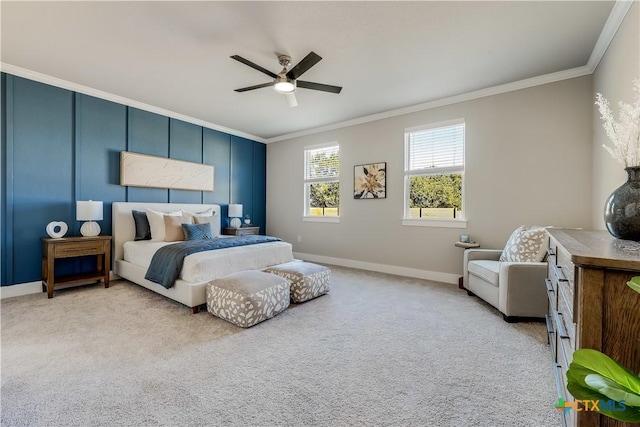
(50, 273)
(107, 264)
(44, 274)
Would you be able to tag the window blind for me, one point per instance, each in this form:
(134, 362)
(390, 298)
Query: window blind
(322, 163)
(438, 149)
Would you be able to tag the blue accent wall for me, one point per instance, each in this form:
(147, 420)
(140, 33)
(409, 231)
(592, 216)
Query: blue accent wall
(59, 146)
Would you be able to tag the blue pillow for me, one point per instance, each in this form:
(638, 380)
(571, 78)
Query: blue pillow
(143, 230)
(197, 231)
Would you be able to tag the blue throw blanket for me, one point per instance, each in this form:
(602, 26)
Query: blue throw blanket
(166, 263)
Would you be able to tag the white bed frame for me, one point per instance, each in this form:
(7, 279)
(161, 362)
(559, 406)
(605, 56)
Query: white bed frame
(123, 230)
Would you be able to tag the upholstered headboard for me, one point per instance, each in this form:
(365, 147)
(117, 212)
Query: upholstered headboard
(123, 227)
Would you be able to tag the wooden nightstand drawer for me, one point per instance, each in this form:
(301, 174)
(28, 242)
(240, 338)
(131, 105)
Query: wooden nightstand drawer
(65, 250)
(242, 231)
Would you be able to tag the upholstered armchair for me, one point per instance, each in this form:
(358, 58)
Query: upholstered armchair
(515, 287)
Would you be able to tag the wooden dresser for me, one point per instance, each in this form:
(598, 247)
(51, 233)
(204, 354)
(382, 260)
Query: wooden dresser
(590, 306)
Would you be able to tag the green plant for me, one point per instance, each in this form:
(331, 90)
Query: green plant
(634, 284)
(594, 376)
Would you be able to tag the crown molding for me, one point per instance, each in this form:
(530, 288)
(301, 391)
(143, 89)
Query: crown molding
(64, 84)
(619, 11)
(609, 30)
(481, 93)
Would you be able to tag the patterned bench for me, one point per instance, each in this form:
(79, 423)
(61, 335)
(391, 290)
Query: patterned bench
(308, 280)
(247, 298)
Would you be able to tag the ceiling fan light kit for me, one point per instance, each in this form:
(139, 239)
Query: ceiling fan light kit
(284, 85)
(286, 82)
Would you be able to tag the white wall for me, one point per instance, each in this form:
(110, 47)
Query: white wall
(528, 162)
(613, 78)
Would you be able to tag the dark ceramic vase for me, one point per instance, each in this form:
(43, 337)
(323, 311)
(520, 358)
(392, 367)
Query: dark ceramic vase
(622, 209)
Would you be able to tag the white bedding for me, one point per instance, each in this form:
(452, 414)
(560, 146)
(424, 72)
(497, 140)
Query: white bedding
(209, 265)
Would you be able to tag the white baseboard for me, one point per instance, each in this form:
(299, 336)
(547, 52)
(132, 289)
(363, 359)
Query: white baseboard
(382, 268)
(20, 289)
(30, 288)
(36, 287)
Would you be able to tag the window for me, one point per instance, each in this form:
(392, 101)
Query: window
(322, 181)
(434, 171)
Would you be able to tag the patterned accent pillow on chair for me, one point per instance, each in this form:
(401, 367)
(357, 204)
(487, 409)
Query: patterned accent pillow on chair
(525, 245)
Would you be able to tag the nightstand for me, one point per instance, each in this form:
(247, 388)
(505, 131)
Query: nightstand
(72, 247)
(242, 231)
(465, 245)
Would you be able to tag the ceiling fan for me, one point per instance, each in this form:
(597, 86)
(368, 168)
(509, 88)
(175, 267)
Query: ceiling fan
(286, 81)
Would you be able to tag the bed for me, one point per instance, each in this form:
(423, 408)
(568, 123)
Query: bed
(131, 259)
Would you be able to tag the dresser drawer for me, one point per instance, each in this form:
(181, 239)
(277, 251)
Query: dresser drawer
(552, 335)
(552, 277)
(563, 260)
(74, 249)
(565, 308)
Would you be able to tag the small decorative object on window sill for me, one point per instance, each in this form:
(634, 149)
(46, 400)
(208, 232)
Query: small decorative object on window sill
(622, 208)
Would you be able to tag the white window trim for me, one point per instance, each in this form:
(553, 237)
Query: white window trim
(442, 124)
(316, 218)
(434, 222)
(305, 213)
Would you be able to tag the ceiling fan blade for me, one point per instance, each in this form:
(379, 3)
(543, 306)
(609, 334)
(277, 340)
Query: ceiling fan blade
(244, 89)
(307, 62)
(254, 66)
(318, 86)
(291, 99)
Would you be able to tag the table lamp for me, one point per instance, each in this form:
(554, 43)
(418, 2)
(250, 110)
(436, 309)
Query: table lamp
(235, 212)
(89, 211)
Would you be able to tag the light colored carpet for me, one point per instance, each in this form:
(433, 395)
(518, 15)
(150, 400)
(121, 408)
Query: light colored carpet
(379, 350)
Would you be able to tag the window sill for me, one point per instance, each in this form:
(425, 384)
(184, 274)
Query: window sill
(443, 223)
(321, 218)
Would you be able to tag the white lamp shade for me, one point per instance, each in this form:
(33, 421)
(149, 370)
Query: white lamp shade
(89, 211)
(235, 211)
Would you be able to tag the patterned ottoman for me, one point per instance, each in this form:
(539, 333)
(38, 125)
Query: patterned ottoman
(248, 297)
(308, 280)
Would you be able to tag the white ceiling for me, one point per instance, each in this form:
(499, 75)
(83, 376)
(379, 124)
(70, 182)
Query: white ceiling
(385, 55)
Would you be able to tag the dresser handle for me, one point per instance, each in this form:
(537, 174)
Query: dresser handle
(549, 324)
(559, 274)
(558, 375)
(549, 286)
(562, 332)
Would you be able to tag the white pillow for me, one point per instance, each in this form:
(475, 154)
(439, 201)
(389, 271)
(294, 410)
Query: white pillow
(213, 220)
(206, 217)
(525, 245)
(208, 212)
(156, 222)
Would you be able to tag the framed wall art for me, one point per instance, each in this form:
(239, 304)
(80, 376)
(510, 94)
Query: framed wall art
(370, 181)
(142, 170)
